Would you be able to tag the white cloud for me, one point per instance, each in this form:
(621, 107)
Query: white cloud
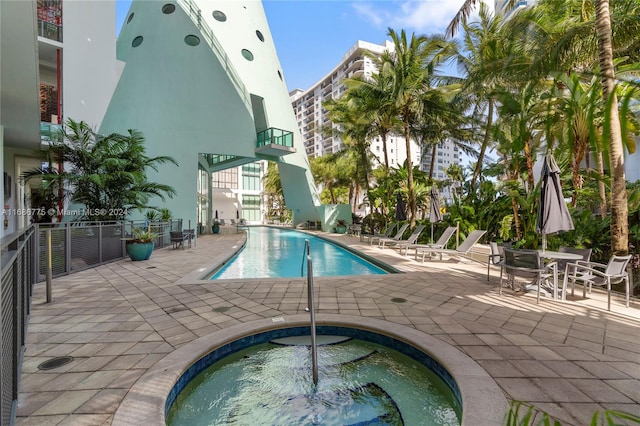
(426, 16)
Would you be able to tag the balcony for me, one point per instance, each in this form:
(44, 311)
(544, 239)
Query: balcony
(49, 132)
(275, 142)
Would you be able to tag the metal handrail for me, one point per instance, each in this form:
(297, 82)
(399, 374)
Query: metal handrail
(312, 313)
(307, 252)
(195, 14)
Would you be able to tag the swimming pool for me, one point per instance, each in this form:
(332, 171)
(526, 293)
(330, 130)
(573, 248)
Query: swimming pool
(275, 252)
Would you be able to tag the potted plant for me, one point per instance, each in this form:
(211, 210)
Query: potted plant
(140, 245)
(216, 226)
(341, 226)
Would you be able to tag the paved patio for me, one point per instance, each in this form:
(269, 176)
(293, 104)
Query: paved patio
(117, 320)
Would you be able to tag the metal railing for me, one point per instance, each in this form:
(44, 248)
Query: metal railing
(81, 245)
(195, 14)
(18, 277)
(312, 312)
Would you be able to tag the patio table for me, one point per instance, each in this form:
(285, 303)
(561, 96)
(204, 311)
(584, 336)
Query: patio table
(559, 255)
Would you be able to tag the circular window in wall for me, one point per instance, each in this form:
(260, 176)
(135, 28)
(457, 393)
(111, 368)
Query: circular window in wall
(260, 36)
(280, 74)
(192, 40)
(247, 55)
(168, 8)
(219, 16)
(137, 41)
(130, 18)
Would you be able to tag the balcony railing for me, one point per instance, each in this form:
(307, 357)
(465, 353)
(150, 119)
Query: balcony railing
(50, 132)
(273, 136)
(50, 30)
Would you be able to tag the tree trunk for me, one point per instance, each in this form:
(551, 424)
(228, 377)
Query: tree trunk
(485, 144)
(383, 136)
(411, 190)
(527, 155)
(601, 188)
(433, 160)
(619, 208)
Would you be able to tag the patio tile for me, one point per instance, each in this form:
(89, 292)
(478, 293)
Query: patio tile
(560, 356)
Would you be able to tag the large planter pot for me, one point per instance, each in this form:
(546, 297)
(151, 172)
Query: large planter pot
(139, 251)
(341, 229)
(215, 228)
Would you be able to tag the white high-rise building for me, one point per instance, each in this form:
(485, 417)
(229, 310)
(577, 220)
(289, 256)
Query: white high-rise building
(501, 6)
(312, 117)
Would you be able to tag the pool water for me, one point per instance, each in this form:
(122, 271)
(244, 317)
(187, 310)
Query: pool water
(360, 383)
(273, 252)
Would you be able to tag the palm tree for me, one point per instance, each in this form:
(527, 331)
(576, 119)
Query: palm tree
(371, 98)
(408, 66)
(619, 207)
(106, 174)
(484, 57)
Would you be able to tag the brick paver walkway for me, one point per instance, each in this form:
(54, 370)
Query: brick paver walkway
(117, 320)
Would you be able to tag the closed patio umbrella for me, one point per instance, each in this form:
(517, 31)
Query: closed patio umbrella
(434, 213)
(401, 211)
(553, 214)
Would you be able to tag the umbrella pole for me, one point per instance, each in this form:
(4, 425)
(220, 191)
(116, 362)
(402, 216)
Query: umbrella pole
(544, 242)
(432, 233)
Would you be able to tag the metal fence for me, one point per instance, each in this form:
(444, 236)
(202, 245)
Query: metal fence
(82, 245)
(18, 277)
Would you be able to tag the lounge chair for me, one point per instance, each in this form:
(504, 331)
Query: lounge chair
(400, 244)
(440, 244)
(396, 237)
(462, 250)
(387, 233)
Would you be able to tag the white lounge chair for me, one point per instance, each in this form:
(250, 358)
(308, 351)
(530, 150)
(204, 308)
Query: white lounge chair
(400, 244)
(386, 234)
(440, 244)
(396, 237)
(462, 250)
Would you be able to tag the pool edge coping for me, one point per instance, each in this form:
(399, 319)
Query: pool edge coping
(483, 401)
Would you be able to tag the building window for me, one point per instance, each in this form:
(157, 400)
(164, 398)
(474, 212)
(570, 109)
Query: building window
(247, 55)
(168, 8)
(251, 208)
(251, 177)
(219, 16)
(260, 36)
(225, 179)
(192, 40)
(137, 41)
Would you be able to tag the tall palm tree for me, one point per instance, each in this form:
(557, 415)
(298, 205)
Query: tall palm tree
(106, 174)
(371, 97)
(409, 67)
(487, 59)
(619, 207)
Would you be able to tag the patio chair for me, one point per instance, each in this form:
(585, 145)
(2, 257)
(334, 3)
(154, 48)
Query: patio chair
(526, 264)
(462, 251)
(386, 234)
(177, 239)
(400, 244)
(562, 264)
(496, 256)
(440, 244)
(592, 273)
(354, 229)
(221, 222)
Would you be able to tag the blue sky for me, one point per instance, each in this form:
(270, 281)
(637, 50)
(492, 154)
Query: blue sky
(312, 36)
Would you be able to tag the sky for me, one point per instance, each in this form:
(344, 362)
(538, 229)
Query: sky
(311, 36)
